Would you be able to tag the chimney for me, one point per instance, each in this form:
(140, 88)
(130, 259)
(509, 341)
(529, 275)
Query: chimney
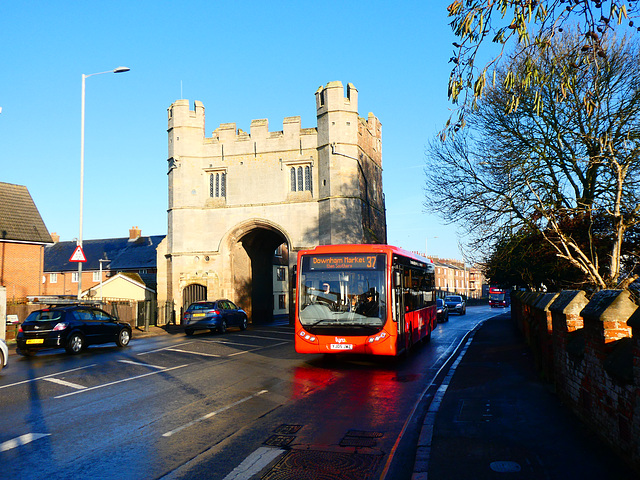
(55, 237)
(134, 234)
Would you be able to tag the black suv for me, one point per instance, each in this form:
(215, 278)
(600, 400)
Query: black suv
(73, 327)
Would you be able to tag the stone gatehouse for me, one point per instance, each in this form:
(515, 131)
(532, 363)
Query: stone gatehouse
(242, 204)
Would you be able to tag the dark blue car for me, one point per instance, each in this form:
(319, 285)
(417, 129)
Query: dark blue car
(213, 315)
(72, 327)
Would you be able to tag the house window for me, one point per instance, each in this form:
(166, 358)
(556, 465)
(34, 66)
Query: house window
(281, 274)
(218, 185)
(53, 278)
(74, 277)
(96, 276)
(301, 179)
(282, 302)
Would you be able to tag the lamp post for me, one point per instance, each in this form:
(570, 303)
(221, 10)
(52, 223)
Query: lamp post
(84, 77)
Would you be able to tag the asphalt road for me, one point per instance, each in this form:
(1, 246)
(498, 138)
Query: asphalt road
(234, 406)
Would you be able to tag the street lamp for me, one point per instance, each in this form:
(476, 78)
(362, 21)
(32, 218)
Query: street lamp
(84, 77)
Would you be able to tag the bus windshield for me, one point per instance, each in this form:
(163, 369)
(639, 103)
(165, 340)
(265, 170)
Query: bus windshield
(342, 290)
(498, 297)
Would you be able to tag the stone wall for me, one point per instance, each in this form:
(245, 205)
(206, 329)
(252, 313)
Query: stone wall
(590, 349)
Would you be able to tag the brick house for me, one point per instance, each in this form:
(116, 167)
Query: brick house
(134, 255)
(23, 237)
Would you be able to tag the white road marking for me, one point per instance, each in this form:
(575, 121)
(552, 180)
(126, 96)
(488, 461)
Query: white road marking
(120, 381)
(256, 349)
(164, 348)
(264, 338)
(193, 353)
(130, 362)
(254, 463)
(65, 383)
(211, 414)
(21, 440)
(46, 376)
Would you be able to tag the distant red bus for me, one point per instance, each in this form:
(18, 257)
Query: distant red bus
(367, 299)
(499, 297)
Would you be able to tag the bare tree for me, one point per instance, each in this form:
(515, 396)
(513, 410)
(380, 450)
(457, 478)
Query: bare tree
(530, 25)
(537, 167)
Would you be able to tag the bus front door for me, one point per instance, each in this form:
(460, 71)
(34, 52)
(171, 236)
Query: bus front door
(398, 309)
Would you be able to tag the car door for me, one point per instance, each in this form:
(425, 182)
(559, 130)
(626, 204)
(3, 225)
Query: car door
(88, 325)
(234, 314)
(108, 327)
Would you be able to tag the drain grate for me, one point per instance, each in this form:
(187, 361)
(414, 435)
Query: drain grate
(364, 434)
(357, 442)
(318, 465)
(279, 440)
(285, 429)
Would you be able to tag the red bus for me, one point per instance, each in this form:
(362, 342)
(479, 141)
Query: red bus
(371, 299)
(499, 297)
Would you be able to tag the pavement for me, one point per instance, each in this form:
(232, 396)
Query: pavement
(492, 418)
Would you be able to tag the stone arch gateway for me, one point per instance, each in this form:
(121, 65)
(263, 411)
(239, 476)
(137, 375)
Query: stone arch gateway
(238, 198)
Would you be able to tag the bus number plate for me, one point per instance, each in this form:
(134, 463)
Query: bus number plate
(341, 346)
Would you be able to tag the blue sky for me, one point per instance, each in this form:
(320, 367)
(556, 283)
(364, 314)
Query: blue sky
(243, 60)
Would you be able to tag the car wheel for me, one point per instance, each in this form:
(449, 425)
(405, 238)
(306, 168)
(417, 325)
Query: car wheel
(189, 332)
(123, 337)
(75, 344)
(223, 326)
(1, 361)
(244, 323)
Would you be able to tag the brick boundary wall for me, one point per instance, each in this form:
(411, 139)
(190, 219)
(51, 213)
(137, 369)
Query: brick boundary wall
(589, 348)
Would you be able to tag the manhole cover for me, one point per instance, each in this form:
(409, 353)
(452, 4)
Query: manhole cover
(319, 465)
(505, 466)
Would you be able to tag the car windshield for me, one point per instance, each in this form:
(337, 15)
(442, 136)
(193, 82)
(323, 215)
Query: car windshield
(453, 299)
(44, 316)
(440, 302)
(342, 290)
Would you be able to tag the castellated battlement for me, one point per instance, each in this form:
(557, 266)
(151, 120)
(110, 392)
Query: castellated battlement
(179, 114)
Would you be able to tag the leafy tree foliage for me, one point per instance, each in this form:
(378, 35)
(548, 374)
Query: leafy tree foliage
(532, 26)
(533, 169)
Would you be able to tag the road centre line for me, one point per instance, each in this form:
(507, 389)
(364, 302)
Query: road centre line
(211, 414)
(46, 376)
(131, 362)
(121, 381)
(21, 440)
(65, 383)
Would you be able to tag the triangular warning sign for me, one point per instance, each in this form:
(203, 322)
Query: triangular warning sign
(78, 255)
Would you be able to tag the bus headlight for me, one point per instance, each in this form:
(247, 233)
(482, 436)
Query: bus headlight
(378, 338)
(308, 337)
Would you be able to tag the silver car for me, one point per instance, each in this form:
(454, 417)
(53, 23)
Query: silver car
(4, 354)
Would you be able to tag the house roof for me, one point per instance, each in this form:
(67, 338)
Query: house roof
(130, 277)
(20, 220)
(123, 253)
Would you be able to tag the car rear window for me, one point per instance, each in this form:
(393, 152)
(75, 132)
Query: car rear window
(44, 316)
(201, 306)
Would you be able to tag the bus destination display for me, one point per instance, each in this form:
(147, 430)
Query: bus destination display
(343, 262)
